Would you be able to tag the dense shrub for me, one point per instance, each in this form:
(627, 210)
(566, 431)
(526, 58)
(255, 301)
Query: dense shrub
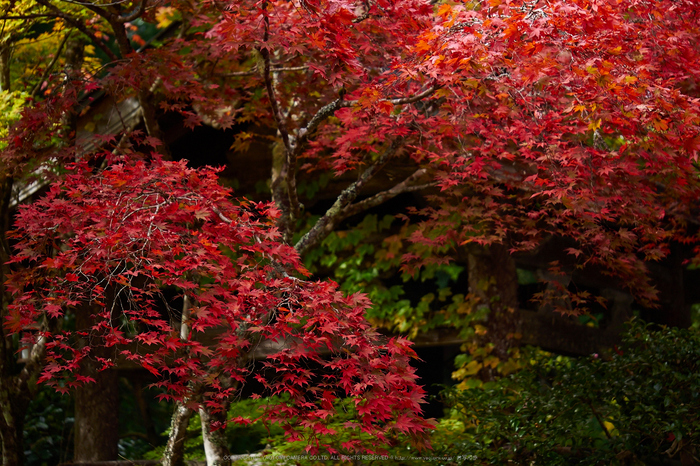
(640, 404)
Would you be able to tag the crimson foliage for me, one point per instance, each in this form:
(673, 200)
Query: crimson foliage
(527, 120)
(124, 235)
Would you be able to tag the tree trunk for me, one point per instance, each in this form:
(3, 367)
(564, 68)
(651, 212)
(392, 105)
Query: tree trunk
(493, 280)
(174, 454)
(96, 407)
(97, 419)
(214, 441)
(5, 55)
(13, 408)
(96, 434)
(14, 395)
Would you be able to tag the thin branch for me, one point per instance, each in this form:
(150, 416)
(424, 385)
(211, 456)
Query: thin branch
(139, 11)
(80, 27)
(380, 198)
(599, 419)
(289, 68)
(87, 4)
(94, 7)
(399, 100)
(415, 98)
(288, 170)
(50, 66)
(32, 16)
(254, 71)
(334, 215)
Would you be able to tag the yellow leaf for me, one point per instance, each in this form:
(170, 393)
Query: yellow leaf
(594, 125)
(472, 368)
(660, 124)
(165, 15)
(491, 361)
(444, 10)
(510, 366)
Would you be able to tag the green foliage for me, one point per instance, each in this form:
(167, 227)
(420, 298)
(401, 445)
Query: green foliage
(134, 439)
(639, 405)
(47, 429)
(695, 316)
(273, 443)
(11, 104)
(241, 439)
(366, 258)
(309, 188)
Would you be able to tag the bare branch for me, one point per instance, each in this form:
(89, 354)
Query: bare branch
(323, 113)
(80, 27)
(400, 100)
(289, 69)
(415, 98)
(139, 11)
(254, 71)
(380, 198)
(32, 16)
(48, 69)
(287, 172)
(334, 215)
(94, 7)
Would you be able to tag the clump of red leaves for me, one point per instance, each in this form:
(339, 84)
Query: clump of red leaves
(110, 243)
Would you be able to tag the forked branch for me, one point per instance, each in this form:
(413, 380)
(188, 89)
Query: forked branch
(406, 186)
(334, 215)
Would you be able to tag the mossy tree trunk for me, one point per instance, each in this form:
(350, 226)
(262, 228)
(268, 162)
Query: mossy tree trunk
(493, 281)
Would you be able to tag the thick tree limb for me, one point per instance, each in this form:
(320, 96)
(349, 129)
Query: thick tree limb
(57, 13)
(214, 441)
(323, 113)
(137, 13)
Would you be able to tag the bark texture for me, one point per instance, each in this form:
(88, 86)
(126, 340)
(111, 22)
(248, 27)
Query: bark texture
(96, 408)
(174, 454)
(493, 280)
(214, 440)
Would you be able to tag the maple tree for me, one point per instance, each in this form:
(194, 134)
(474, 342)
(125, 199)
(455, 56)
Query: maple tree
(133, 230)
(519, 120)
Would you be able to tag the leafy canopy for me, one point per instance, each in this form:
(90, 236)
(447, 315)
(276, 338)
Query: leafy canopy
(524, 120)
(138, 228)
